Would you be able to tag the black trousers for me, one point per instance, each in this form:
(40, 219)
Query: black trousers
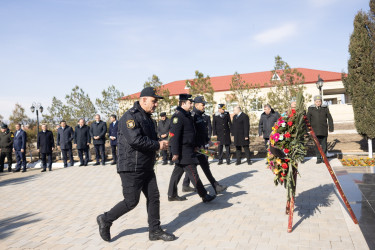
(21, 160)
(114, 152)
(323, 142)
(44, 160)
(65, 153)
(227, 152)
(191, 171)
(82, 152)
(8, 155)
(166, 156)
(133, 183)
(100, 152)
(203, 162)
(239, 152)
(266, 140)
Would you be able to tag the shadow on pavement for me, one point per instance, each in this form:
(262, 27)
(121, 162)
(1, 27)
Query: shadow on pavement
(20, 180)
(308, 202)
(130, 232)
(9, 225)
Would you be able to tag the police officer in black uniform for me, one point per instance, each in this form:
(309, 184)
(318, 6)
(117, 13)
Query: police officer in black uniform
(183, 148)
(6, 144)
(318, 116)
(202, 140)
(221, 126)
(137, 146)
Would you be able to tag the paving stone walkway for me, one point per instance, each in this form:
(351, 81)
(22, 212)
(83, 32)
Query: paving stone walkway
(58, 209)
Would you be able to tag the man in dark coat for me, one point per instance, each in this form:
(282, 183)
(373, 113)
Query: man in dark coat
(6, 145)
(318, 116)
(82, 141)
(65, 136)
(45, 145)
(98, 130)
(241, 134)
(266, 122)
(221, 127)
(183, 146)
(19, 148)
(137, 146)
(163, 131)
(113, 128)
(202, 140)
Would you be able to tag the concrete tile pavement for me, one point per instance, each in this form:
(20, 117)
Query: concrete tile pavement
(58, 209)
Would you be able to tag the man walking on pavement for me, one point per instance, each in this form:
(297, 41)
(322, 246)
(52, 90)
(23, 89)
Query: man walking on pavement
(137, 146)
(221, 127)
(321, 121)
(202, 140)
(6, 145)
(46, 145)
(183, 146)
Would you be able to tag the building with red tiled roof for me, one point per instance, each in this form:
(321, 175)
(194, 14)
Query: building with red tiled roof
(333, 89)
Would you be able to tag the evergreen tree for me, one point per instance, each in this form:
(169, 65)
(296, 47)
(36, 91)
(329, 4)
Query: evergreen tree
(18, 116)
(57, 112)
(80, 105)
(360, 80)
(201, 85)
(109, 103)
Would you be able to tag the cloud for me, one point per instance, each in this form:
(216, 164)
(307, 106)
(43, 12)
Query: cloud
(276, 35)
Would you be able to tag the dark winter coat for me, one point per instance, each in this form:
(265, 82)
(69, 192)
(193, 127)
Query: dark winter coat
(164, 127)
(65, 137)
(137, 141)
(98, 129)
(221, 126)
(209, 124)
(241, 129)
(82, 136)
(201, 124)
(45, 142)
(6, 141)
(183, 137)
(266, 123)
(19, 140)
(113, 129)
(320, 120)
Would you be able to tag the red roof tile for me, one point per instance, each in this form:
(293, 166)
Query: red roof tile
(222, 83)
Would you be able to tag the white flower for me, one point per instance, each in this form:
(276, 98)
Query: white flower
(283, 124)
(281, 137)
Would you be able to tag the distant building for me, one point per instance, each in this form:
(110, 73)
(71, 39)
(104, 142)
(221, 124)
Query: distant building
(333, 91)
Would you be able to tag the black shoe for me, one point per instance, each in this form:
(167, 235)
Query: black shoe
(103, 164)
(113, 163)
(65, 166)
(249, 162)
(161, 235)
(16, 170)
(228, 162)
(86, 164)
(80, 165)
(164, 163)
(237, 163)
(1, 170)
(176, 198)
(9, 170)
(219, 188)
(23, 171)
(50, 169)
(72, 164)
(220, 162)
(96, 164)
(171, 163)
(318, 161)
(104, 228)
(208, 198)
(43, 170)
(186, 189)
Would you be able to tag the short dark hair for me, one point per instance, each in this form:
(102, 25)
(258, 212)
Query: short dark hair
(182, 102)
(267, 106)
(62, 121)
(114, 116)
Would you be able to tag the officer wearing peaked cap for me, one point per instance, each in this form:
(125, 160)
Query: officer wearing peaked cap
(182, 142)
(137, 146)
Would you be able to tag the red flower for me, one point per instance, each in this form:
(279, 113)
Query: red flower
(286, 151)
(171, 134)
(287, 135)
(286, 160)
(293, 111)
(283, 174)
(281, 179)
(284, 166)
(280, 119)
(290, 123)
(276, 127)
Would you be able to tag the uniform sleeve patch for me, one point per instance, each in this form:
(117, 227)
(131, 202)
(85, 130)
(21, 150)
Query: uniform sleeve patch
(130, 124)
(11, 135)
(175, 120)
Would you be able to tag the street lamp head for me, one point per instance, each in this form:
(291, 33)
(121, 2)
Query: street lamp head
(41, 109)
(32, 108)
(319, 83)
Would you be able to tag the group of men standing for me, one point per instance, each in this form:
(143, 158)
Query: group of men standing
(81, 136)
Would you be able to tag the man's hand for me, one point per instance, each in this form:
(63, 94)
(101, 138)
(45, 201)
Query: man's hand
(22, 150)
(14, 150)
(38, 150)
(163, 145)
(175, 158)
(96, 137)
(246, 138)
(58, 147)
(75, 144)
(53, 149)
(88, 144)
(163, 136)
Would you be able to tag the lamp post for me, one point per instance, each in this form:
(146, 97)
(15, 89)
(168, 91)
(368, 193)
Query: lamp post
(319, 85)
(37, 107)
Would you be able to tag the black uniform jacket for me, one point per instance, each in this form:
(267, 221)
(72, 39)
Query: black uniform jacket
(183, 136)
(82, 136)
(201, 127)
(241, 129)
(137, 141)
(6, 141)
(318, 118)
(221, 127)
(45, 142)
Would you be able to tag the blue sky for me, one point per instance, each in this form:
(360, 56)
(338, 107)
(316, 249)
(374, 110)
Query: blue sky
(49, 46)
